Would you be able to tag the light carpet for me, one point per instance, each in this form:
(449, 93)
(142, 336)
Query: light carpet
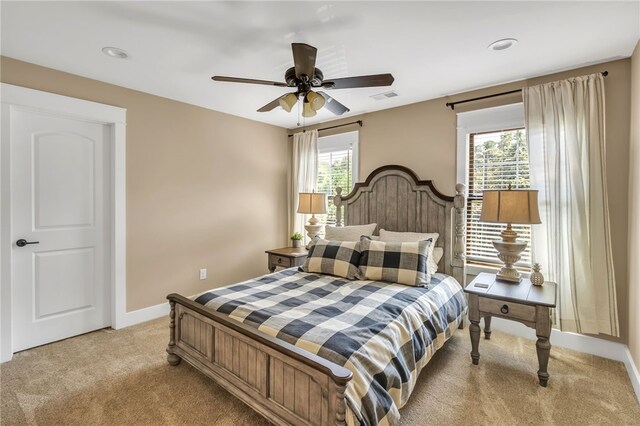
(122, 378)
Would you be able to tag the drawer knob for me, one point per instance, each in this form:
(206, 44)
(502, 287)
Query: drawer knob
(279, 260)
(504, 309)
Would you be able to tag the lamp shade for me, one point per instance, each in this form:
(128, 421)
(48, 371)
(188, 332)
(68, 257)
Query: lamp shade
(288, 101)
(315, 100)
(312, 203)
(307, 111)
(510, 206)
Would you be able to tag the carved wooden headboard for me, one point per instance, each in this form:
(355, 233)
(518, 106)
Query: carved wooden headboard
(395, 199)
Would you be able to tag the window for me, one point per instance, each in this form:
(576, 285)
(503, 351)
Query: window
(497, 159)
(492, 154)
(337, 166)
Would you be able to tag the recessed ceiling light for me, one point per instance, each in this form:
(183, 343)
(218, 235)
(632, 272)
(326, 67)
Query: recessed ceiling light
(503, 44)
(114, 52)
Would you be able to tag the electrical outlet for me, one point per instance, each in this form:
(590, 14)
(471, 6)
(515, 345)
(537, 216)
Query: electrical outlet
(203, 274)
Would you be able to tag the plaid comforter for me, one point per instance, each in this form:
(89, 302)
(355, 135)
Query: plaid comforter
(383, 333)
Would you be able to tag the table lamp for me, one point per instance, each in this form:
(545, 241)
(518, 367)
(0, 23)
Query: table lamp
(511, 206)
(312, 203)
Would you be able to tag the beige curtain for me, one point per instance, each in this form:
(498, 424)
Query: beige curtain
(565, 123)
(304, 172)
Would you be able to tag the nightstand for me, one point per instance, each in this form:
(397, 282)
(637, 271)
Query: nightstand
(286, 257)
(523, 302)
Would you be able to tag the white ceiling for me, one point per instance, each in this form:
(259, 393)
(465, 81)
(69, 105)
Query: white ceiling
(432, 48)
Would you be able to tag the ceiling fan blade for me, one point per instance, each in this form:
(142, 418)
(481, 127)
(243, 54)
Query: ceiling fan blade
(332, 105)
(361, 81)
(271, 105)
(304, 59)
(247, 80)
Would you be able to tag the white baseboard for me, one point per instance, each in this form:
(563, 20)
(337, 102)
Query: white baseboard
(632, 370)
(143, 315)
(578, 342)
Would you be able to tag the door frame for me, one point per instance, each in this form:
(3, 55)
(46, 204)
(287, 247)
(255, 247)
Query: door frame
(21, 98)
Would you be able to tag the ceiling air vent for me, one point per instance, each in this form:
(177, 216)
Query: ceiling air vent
(385, 95)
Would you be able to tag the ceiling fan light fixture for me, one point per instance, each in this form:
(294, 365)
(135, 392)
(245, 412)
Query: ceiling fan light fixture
(288, 101)
(315, 100)
(307, 110)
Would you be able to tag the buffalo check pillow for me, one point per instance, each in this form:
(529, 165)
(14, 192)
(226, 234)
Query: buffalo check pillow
(435, 253)
(339, 258)
(403, 263)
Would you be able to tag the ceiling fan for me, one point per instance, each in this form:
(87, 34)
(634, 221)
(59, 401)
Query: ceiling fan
(304, 76)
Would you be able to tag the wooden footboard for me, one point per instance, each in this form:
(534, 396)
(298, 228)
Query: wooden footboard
(285, 384)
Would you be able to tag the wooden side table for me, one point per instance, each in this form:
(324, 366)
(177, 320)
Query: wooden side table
(286, 257)
(523, 302)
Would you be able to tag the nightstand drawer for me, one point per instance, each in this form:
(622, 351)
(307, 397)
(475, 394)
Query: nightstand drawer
(286, 257)
(282, 261)
(507, 309)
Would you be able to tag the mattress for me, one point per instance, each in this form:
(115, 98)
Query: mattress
(383, 333)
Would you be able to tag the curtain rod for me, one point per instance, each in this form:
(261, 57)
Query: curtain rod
(359, 123)
(453, 104)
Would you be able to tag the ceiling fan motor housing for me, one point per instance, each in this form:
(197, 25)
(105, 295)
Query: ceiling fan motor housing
(302, 85)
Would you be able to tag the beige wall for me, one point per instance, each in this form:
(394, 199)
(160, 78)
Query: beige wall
(422, 136)
(204, 189)
(634, 211)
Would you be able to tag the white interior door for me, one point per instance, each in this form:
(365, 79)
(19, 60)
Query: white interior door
(59, 209)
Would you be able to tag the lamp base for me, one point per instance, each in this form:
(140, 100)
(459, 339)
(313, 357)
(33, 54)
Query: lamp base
(312, 231)
(509, 253)
(506, 275)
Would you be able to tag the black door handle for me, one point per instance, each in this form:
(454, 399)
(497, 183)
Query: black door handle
(22, 242)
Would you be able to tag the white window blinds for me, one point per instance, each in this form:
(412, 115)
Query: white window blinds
(496, 159)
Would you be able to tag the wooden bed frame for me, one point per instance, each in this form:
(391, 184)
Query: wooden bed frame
(288, 385)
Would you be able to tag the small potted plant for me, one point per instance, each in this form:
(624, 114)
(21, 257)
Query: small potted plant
(296, 240)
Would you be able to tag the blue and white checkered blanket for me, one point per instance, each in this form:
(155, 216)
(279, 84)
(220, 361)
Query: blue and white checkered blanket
(383, 333)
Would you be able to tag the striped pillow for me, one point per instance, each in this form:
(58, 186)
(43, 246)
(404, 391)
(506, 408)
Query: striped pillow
(403, 263)
(339, 258)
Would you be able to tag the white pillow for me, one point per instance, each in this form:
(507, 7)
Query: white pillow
(348, 233)
(438, 252)
(412, 237)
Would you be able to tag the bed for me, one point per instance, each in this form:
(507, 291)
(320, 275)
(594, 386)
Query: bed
(266, 357)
